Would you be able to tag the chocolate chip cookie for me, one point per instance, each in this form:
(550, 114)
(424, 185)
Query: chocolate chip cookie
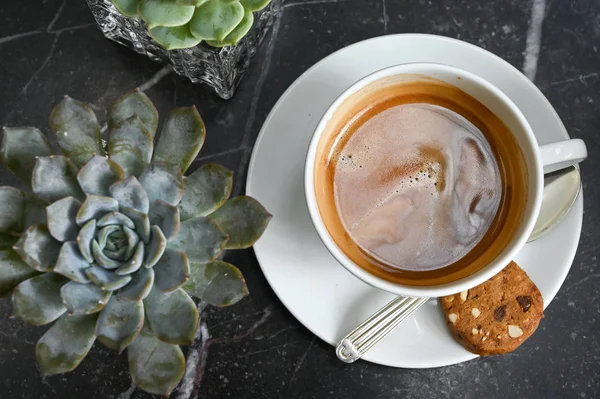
(496, 316)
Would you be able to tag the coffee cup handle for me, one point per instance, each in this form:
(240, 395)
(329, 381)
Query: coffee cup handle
(562, 154)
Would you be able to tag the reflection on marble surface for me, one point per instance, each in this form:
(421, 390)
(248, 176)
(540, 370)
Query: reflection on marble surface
(256, 349)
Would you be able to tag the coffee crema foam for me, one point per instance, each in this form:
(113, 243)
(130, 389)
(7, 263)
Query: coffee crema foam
(417, 186)
(469, 199)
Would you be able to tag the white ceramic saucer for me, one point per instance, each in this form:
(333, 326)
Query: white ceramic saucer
(318, 291)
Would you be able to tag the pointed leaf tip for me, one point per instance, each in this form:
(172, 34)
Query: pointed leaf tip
(133, 103)
(244, 219)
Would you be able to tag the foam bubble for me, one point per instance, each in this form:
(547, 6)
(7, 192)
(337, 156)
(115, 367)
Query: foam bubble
(417, 186)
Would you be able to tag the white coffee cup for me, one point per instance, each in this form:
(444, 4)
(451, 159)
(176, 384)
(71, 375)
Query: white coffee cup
(538, 160)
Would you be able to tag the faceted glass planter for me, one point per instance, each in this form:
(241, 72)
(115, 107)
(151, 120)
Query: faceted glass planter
(221, 69)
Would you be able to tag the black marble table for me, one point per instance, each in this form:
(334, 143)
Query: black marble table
(256, 349)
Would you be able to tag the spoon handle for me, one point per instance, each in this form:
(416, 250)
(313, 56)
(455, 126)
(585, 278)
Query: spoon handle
(360, 340)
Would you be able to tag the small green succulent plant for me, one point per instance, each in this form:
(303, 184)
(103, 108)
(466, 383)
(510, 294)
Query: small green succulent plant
(114, 239)
(177, 24)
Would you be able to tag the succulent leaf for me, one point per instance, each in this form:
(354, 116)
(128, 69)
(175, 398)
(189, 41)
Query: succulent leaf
(95, 207)
(254, 5)
(105, 279)
(201, 239)
(55, 177)
(96, 176)
(172, 270)
(115, 218)
(217, 283)
(71, 263)
(19, 149)
(140, 285)
(133, 103)
(120, 322)
(128, 8)
(173, 316)
(181, 139)
(81, 299)
(12, 271)
(102, 235)
(155, 367)
(130, 145)
(205, 191)
(134, 263)
(195, 3)
(37, 301)
(156, 247)
(233, 38)
(65, 344)
(85, 238)
(7, 242)
(119, 254)
(244, 219)
(132, 241)
(61, 217)
(101, 259)
(130, 193)
(163, 181)
(165, 13)
(77, 131)
(215, 19)
(141, 221)
(38, 249)
(166, 217)
(11, 211)
(34, 211)
(174, 38)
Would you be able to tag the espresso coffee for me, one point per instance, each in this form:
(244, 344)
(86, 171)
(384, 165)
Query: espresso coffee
(418, 182)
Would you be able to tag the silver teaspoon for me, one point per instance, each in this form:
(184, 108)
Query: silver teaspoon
(561, 189)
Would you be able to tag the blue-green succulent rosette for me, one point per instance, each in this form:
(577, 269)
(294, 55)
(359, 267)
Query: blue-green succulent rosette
(177, 24)
(113, 241)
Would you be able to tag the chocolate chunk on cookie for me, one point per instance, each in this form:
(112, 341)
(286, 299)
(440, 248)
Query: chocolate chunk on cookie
(496, 316)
